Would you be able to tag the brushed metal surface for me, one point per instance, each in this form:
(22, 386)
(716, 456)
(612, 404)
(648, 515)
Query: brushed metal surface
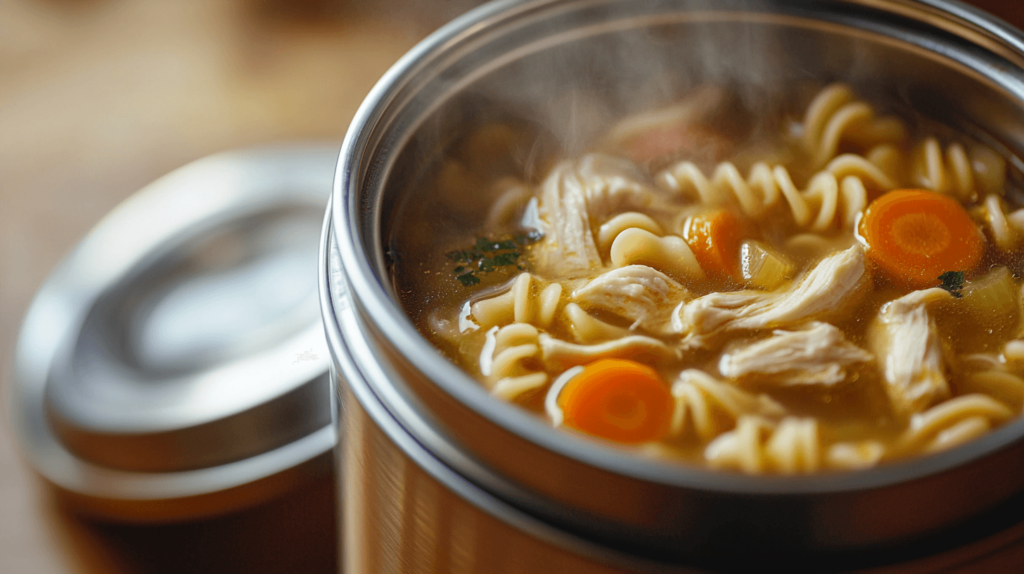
(941, 59)
(174, 364)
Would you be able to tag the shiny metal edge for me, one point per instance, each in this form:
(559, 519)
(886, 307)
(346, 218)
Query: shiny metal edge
(399, 331)
(334, 303)
(218, 190)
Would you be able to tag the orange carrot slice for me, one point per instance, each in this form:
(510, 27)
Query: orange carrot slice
(914, 236)
(618, 400)
(714, 237)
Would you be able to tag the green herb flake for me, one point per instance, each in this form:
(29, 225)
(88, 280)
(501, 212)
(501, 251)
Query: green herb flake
(468, 279)
(487, 255)
(952, 281)
(502, 259)
(507, 245)
(488, 246)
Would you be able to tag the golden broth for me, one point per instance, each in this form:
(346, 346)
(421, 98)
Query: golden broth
(442, 268)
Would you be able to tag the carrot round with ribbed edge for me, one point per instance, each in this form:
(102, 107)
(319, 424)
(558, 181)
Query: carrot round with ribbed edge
(618, 400)
(715, 237)
(914, 236)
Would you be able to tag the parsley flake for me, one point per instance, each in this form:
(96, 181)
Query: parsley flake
(952, 281)
(487, 255)
(468, 279)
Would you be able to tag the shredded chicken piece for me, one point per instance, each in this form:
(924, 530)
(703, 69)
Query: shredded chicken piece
(910, 354)
(682, 129)
(574, 194)
(826, 288)
(818, 354)
(638, 293)
(559, 355)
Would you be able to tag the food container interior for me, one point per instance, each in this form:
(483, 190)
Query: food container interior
(564, 73)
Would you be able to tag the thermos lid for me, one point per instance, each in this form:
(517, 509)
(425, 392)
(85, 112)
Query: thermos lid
(174, 364)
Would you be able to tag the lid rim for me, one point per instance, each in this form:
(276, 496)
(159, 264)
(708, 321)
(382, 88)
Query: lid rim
(152, 493)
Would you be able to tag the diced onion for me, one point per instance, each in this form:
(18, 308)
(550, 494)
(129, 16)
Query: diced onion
(762, 266)
(993, 299)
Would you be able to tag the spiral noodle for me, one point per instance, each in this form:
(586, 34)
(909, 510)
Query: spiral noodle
(1013, 351)
(756, 445)
(888, 159)
(878, 170)
(586, 328)
(510, 360)
(997, 376)
(709, 407)
(524, 302)
(1002, 385)
(632, 242)
(854, 455)
(511, 196)
(1007, 228)
(953, 422)
(830, 196)
(835, 117)
(953, 172)
(611, 229)
(551, 406)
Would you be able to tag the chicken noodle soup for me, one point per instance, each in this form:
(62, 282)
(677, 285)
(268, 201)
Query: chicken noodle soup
(840, 293)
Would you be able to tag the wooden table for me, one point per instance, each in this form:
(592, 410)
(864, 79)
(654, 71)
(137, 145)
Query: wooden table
(98, 98)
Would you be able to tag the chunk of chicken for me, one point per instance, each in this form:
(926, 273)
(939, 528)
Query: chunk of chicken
(681, 130)
(818, 354)
(909, 351)
(638, 293)
(829, 287)
(577, 193)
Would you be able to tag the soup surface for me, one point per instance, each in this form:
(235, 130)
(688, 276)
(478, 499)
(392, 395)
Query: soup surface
(830, 291)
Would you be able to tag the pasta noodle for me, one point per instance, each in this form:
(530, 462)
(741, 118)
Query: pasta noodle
(588, 329)
(635, 246)
(952, 171)
(837, 294)
(952, 422)
(756, 445)
(836, 116)
(1001, 385)
(854, 455)
(506, 361)
(826, 200)
(1006, 227)
(630, 220)
(523, 303)
(708, 407)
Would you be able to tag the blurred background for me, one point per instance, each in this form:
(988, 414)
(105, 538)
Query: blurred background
(99, 98)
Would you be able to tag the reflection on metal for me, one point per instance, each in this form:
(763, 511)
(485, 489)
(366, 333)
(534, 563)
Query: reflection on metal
(416, 425)
(174, 364)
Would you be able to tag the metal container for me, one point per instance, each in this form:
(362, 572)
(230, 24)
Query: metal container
(173, 366)
(436, 475)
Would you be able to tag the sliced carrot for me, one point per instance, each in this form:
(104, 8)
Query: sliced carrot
(915, 235)
(618, 400)
(715, 238)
